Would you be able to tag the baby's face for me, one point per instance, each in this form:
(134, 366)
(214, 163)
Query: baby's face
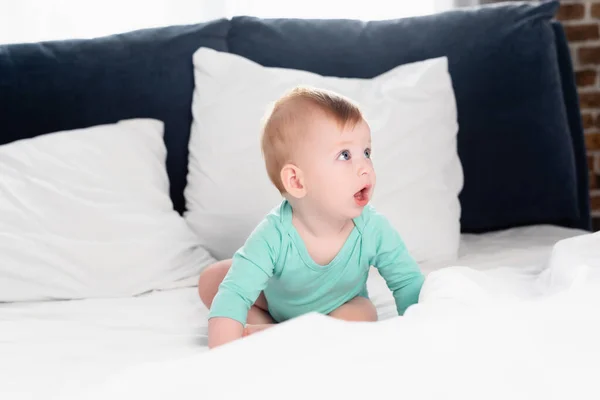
(338, 171)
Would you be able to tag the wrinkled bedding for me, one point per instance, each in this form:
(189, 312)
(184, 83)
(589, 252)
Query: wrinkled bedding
(154, 346)
(469, 337)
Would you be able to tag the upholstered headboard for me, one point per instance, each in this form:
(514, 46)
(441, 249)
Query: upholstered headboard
(520, 138)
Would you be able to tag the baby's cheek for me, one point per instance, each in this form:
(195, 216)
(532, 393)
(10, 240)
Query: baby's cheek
(337, 188)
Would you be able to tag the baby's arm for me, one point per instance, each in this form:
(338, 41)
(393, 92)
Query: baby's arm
(251, 269)
(222, 330)
(400, 271)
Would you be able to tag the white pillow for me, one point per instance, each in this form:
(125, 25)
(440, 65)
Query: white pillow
(86, 213)
(412, 113)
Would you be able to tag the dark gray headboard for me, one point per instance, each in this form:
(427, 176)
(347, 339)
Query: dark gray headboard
(520, 138)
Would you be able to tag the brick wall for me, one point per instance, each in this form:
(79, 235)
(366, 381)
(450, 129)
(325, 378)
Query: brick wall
(581, 19)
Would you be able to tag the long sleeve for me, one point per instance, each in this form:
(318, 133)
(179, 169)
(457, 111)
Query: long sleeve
(400, 271)
(252, 267)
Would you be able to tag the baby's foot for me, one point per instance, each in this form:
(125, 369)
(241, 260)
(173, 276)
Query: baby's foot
(250, 329)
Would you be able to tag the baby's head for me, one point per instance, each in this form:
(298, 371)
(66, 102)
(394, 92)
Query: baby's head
(317, 150)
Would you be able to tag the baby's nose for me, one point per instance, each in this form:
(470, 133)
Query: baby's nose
(363, 169)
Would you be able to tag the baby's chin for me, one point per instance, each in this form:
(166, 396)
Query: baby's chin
(355, 212)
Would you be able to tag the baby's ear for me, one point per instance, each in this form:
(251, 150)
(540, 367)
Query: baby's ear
(293, 180)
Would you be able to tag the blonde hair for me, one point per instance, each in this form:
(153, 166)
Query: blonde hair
(286, 121)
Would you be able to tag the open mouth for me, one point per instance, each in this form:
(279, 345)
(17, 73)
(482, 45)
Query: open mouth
(362, 196)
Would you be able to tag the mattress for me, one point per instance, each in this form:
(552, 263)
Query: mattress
(55, 349)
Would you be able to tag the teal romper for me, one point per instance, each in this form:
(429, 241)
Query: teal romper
(275, 260)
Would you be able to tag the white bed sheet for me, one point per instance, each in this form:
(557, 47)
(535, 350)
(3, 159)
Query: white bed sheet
(51, 350)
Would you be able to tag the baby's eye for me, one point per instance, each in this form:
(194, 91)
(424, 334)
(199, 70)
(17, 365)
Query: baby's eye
(344, 155)
(368, 153)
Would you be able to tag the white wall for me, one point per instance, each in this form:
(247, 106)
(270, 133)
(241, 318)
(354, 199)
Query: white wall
(35, 20)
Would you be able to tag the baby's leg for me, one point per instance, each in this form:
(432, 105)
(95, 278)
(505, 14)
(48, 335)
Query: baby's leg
(208, 285)
(358, 309)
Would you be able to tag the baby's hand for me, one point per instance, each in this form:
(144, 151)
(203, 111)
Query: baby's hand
(250, 329)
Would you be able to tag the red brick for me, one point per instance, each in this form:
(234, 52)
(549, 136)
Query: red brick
(593, 181)
(588, 120)
(589, 100)
(568, 12)
(590, 160)
(592, 141)
(589, 55)
(582, 32)
(596, 10)
(596, 121)
(586, 77)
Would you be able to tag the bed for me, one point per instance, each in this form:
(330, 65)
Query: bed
(520, 142)
(70, 347)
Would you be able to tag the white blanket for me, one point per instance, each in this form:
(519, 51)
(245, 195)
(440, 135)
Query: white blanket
(470, 336)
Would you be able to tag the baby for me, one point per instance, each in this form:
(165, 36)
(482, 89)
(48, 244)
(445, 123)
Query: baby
(313, 252)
